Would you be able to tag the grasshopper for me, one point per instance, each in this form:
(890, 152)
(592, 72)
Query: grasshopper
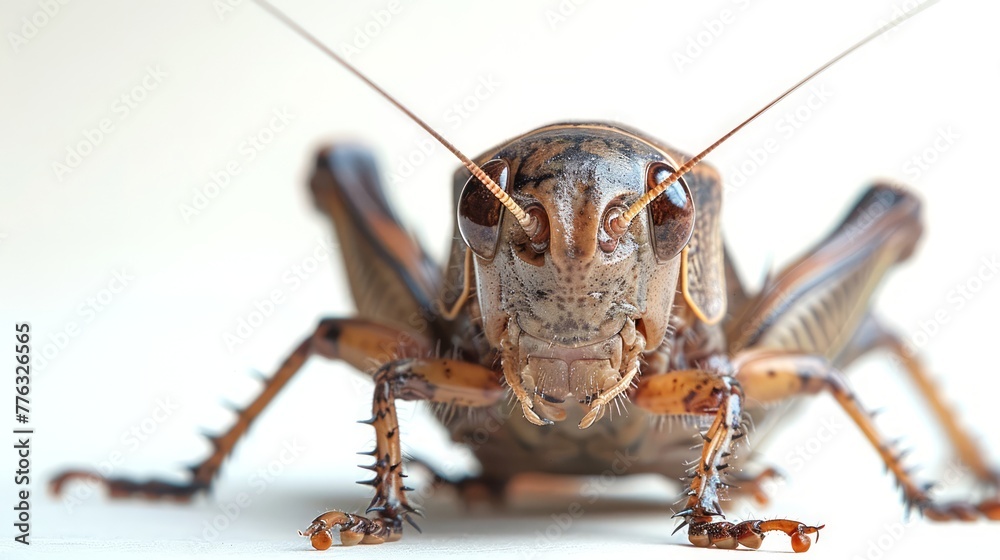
(590, 278)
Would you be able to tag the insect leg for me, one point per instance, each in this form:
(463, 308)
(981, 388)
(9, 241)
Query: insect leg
(773, 375)
(872, 335)
(703, 393)
(356, 341)
(435, 380)
(816, 303)
(392, 279)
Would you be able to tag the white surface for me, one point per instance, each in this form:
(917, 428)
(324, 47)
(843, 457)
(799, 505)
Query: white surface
(162, 337)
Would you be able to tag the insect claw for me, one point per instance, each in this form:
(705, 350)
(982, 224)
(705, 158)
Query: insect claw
(373, 452)
(373, 482)
(369, 421)
(683, 513)
(679, 527)
(372, 468)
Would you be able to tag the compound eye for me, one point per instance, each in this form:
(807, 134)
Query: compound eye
(671, 214)
(480, 213)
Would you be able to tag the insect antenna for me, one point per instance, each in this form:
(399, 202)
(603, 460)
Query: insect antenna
(528, 222)
(620, 225)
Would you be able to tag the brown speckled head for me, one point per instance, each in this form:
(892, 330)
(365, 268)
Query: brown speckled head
(572, 307)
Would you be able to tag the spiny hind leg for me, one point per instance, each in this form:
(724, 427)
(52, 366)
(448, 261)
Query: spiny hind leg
(871, 336)
(360, 343)
(434, 380)
(695, 392)
(772, 375)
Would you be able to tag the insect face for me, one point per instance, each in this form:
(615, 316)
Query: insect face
(573, 303)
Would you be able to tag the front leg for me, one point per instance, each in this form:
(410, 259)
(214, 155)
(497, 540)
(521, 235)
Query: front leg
(439, 381)
(713, 393)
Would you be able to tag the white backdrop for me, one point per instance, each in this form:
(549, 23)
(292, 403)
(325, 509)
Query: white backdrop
(132, 268)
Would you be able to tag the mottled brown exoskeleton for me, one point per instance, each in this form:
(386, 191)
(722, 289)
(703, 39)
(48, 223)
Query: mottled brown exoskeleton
(589, 277)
